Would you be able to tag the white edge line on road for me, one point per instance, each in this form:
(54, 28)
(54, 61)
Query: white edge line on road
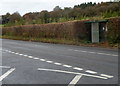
(75, 80)
(94, 52)
(7, 73)
(61, 71)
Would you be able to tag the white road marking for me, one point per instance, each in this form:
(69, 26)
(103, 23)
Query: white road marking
(49, 61)
(102, 53)
(57, 63)
(7, 73)
(92, 72)
(42, 60)
(76, 68)
(67, 66)
(93, 52)
(68, 72)
(5, 67)
(83, 51)
(17, 53)
(30, 57)
(76, 50)
(25, 55)
(35, 58)
(12, 52)
(108, 76)
(6, 50)
(75, 80)
(114, 55)
(9, 51)
(20, 54)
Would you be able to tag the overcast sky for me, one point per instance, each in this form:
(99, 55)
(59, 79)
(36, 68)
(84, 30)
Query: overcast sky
(25, 6)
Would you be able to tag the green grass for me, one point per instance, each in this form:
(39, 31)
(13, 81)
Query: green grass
(62, 41)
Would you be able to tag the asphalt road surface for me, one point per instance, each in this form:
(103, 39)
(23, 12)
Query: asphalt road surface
(26, 62)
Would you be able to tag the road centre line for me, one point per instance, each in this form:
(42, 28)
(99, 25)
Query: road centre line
(35, 58)
(49, 61)
(42, 60)
(17, 53)
(92, 72)
(57, 63)
(21, 54)
(75, 80)
(64, 65)
(67, 66)
(68, 72)
(30, 57)
(7, 73)
(76, 68)
(25, 55)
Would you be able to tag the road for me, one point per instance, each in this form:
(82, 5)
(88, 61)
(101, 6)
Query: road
(26, 62)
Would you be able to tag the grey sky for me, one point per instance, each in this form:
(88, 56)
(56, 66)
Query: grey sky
(25, 6)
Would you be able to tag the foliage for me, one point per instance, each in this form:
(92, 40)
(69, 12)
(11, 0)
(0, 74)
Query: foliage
(78, 12)
(113, 34)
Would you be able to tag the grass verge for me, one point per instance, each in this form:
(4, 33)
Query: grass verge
(63, 41)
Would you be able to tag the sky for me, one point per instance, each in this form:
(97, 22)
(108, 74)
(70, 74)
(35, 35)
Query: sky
(25, 6)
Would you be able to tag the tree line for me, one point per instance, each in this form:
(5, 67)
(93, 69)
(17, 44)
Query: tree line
(78, 12)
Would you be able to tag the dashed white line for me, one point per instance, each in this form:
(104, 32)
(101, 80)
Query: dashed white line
(12, 52)
(42, 60)
(30, 57)
(76, 50)
(25, 55)
(21, 54)
(35, 58)
(76, 68)
(57, 63)
(67, 66)
(91, 52)
(49, 61)
(83, 51)
(92, 72)
(9, 51)
(17, 53)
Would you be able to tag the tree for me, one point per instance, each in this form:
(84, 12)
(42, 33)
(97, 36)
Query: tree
(6, 18)
(57, 8)
(44, 16)
(15, 17)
